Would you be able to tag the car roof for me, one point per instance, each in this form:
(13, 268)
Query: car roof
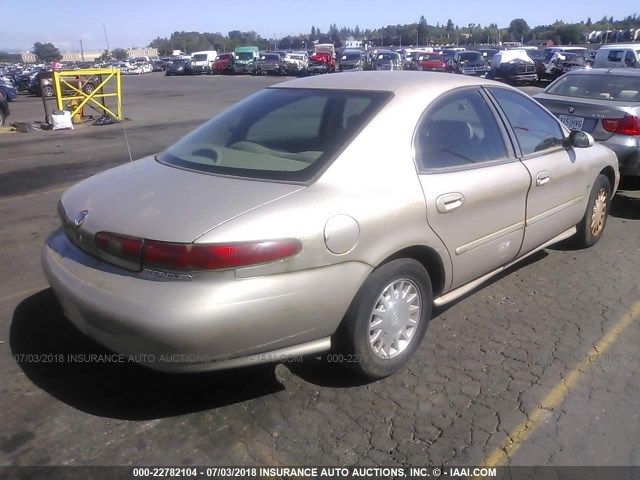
(630, 72)
(398, 82)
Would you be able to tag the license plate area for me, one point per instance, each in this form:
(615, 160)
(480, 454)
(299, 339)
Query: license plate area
(572, 123)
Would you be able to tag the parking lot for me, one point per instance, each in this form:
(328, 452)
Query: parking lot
(537, 367)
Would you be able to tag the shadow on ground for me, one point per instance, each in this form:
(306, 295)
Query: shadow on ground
(41, 333)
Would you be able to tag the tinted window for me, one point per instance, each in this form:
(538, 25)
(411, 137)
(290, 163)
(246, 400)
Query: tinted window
(458, 130)
(278, 134)
(615, 55)
(535, 129)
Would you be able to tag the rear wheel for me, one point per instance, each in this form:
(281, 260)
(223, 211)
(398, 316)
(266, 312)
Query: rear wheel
(3, 118)
(592, 225)
(47, 91)
(387, 318)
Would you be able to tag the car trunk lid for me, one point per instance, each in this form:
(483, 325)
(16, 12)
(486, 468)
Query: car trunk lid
(150, 200)
(591, 111)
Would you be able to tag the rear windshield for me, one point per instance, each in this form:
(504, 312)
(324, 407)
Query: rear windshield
(431, 56)
(281, 134)
(602, 87)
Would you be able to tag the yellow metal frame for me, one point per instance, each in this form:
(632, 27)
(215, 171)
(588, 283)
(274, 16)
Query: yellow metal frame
(62, 79)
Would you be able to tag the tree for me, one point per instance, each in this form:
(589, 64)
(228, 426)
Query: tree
(449, 26)
(46, 52)
(518, 29)
(422, 30)
(120, 54)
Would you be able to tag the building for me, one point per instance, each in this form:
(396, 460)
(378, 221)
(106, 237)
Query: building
(93, 55)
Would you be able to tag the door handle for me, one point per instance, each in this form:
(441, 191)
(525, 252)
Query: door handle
(449, 202)
(543, 178)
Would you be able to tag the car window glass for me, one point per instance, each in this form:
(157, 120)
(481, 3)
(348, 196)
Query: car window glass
(615, 55)
(279, 133)
(630, 59)
(611, 87)
(458, 130)
(535, 129)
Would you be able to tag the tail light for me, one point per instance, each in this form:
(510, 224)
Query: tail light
(189, 256)
(120, 246)
(627, 125)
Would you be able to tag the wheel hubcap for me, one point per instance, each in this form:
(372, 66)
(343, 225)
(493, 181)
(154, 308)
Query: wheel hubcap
(599, 212)
(394, 319)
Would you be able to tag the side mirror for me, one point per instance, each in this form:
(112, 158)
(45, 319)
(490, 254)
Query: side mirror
(580, 139)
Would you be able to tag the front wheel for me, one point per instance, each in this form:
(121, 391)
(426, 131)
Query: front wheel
(592, 225)
(387, 318)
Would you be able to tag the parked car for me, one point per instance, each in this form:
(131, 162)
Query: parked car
(158, 65)
(468, 62)
(297, 257)
(616, 56)
(223, 64)
(386, 60)
(180, 66)
(201, 61)
(605, 103)
(270, 64)
(430, 62)
(4, 111)
(245, 59)
(321, 62)
(351, 60)
(7, 91)
(513, 65)
(296, 63)
(47, 87)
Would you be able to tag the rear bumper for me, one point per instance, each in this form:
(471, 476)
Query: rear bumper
(214, 322)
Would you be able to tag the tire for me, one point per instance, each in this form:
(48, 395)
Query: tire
(591, 227)
(48, 91)
(371, 351)
(3, 118)
(88, 88)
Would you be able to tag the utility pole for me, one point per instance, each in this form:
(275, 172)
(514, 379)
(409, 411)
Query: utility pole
(81, 50)
(106, 38)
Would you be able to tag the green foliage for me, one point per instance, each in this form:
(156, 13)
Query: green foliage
(409, 34)
(10, 57)
(120, 54)
(46, 52)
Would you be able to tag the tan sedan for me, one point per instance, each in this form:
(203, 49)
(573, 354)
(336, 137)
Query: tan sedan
(323, 213)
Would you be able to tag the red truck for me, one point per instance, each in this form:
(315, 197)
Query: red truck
(323, 59)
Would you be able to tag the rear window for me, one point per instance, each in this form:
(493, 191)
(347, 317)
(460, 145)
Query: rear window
(280, 134)
(601, 87)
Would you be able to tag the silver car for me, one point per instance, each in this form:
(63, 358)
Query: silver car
(605, 103)
(284, 226)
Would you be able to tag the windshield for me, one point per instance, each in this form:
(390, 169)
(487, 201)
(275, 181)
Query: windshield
(471, 57)
(225, 56)
(280, 134)
(179, 62)
(201, 57)
(601, 87)
(351, 56)
(431, 56)
(270, 57)
(244, 55)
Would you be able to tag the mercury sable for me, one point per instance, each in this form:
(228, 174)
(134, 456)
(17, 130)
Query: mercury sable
(329, 212)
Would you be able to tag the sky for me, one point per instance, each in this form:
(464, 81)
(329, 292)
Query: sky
(135, 23)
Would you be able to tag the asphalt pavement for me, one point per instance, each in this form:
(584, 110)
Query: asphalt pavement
(537, 367)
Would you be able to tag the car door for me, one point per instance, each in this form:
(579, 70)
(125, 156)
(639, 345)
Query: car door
(559, 178)
(475, 188)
